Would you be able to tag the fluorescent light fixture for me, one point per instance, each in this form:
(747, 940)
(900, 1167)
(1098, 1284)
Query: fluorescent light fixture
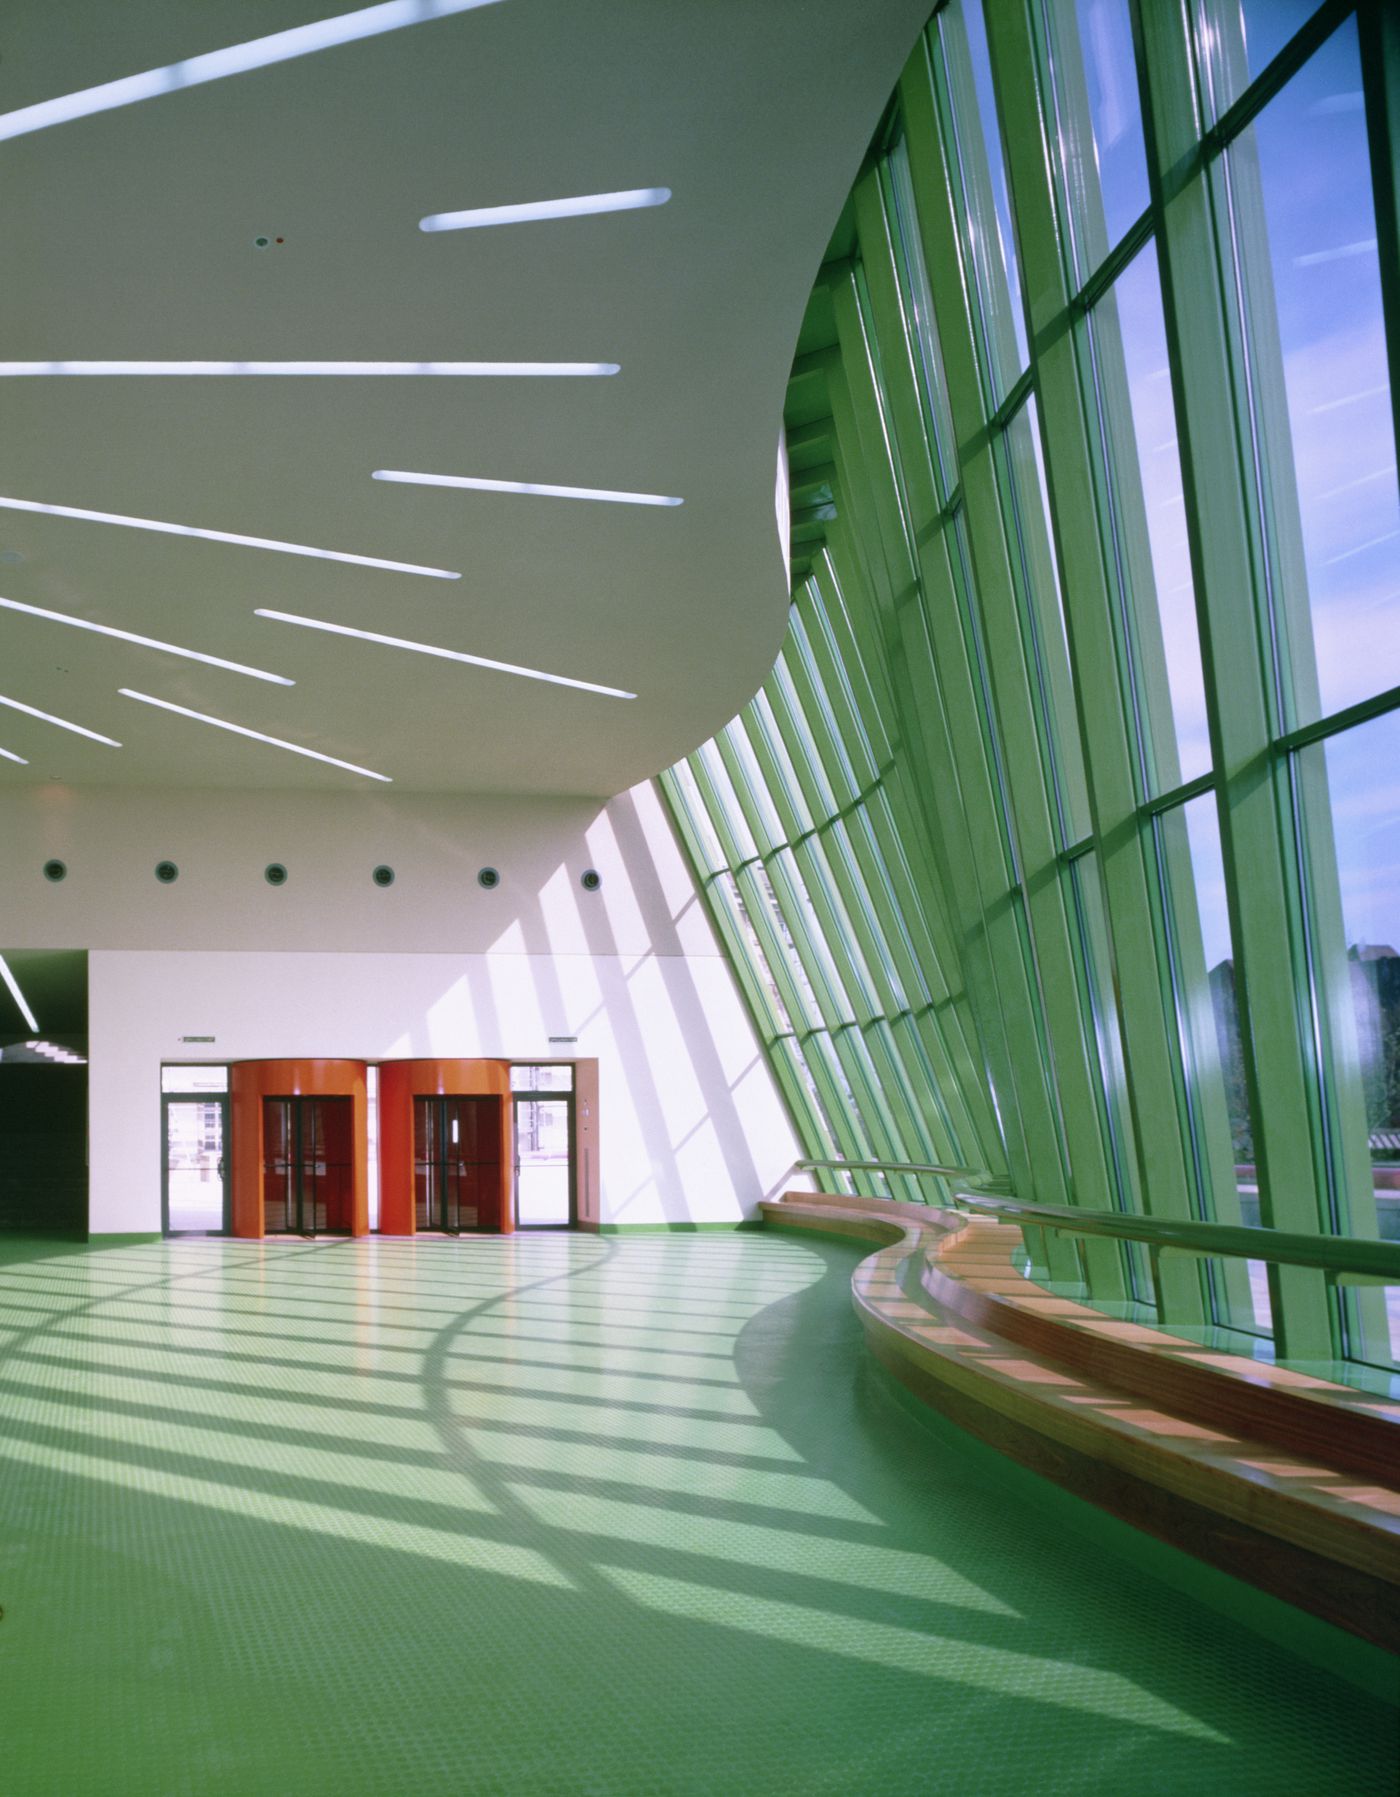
(523, 486)
(224, 536)
(578, 207)
(237, 59)
(201, 370)
(276, 742)
(145, 642)
(9, 755)
(17, 995)
(476, 661)
(63, 724)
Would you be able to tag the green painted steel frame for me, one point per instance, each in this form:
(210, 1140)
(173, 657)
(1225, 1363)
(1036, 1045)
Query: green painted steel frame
(945, 847)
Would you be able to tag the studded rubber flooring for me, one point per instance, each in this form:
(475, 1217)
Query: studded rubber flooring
(563, 1515)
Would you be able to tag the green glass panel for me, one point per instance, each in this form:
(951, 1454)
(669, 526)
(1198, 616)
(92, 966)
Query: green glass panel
(1150, 518)
(991, 235)
(920, 322)
(1363, 781)
(1208, 998)
(1094, 78)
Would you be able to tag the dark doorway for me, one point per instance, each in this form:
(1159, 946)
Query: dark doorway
(308, 1154)
(43, 1091)
(457, 1163)
(43, 1149)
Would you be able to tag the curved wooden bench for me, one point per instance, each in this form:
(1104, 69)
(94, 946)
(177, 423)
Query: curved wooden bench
(1287, 1481)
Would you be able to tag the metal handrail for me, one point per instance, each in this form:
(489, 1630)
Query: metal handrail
(976, 1175)
(1361, 1257)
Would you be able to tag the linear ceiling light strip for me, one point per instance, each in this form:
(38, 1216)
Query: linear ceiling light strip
(580, 206)
(275, 742)
(343, 370)
(63, 723)
(236, 59)
(224, 536)
(146, 642)
(17, 995)
(476, 661)
(473, 484)
(9, 755)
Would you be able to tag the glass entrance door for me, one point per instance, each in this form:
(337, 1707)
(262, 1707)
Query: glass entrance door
(308, 1146)
(457, 1163)
(196, 1129)
(544, 1171)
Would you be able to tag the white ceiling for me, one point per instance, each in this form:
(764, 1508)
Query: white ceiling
(129, 235)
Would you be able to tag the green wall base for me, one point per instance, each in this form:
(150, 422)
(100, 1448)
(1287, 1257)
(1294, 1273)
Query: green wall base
(1370, 1668)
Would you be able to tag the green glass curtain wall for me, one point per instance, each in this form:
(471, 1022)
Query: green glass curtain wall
(1063, 841)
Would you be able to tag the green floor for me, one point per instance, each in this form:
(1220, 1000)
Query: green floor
(563, 1515)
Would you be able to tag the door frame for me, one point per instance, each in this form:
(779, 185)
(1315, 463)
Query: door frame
(518, 1098)
(298, 1102)
(439, 1101)
(226, 1159)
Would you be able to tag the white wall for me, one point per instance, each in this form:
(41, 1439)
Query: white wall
(691, 1126)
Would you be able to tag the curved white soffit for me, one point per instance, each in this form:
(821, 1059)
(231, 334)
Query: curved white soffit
(138, 229)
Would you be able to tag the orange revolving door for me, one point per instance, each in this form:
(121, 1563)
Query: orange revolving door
(444, 1147)
(300, 1144)
(308, 1166)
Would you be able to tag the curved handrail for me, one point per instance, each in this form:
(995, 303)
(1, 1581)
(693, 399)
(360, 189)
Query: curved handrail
(1362, 1257)
(1332, 1254)
(975, 1175)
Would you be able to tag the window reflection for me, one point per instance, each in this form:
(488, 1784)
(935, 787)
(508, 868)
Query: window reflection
(1100, 122)
(1110, 75)
(790, 1051)
(1130, 322)
(995, 260)
(726, 891)
(918, 306)
(797, 904)
(1267, 26)
(1049, 651)
(778, 921)
(760, 801)
(1238, 39)
(1208, 999)
(698, 816)
(763, 720)
(1314, 170)
(1363, 778)
(787, 706)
